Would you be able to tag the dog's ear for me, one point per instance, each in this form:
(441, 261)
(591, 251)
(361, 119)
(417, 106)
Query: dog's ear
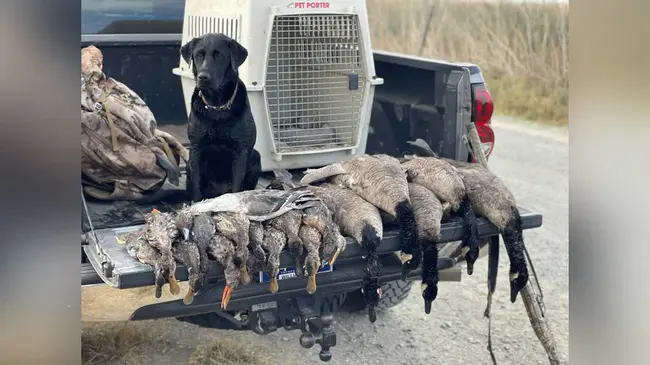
(186, 50)
(238, 54)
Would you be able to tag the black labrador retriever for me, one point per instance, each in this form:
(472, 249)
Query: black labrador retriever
(221, 128)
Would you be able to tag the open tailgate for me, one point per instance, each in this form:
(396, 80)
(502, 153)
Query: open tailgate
(108, 255)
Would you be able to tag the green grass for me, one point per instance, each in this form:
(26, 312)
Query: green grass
(521, 48)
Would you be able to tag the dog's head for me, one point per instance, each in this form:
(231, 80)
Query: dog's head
(215, 59)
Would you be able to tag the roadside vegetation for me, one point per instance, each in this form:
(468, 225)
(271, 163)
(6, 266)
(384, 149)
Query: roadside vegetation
(522, 48)
(131, 343)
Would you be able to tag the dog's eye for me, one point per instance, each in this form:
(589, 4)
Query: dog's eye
(200, 54)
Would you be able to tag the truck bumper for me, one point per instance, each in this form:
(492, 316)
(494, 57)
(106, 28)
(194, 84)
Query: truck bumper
(101, 302)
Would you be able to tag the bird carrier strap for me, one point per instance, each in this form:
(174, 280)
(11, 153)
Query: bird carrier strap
(103, 98)
(168, 151)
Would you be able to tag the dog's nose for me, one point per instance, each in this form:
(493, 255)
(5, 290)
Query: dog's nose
(203, 76)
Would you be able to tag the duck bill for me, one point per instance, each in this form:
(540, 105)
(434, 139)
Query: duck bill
(189, 297)
(225, 297)
(273, 285)
(311, 284)
(335, 256)
(174, 287)
(244, 277)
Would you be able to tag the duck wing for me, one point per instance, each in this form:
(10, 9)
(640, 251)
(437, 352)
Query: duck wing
(258, 205)
(267, 206)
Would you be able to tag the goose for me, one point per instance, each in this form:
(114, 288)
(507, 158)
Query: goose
(446, 183)
(160, 232)
(428, 213)
(381, 180)
(360, 220)
(490, 197)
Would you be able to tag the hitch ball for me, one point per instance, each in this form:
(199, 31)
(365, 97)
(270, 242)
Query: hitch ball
(307, 340)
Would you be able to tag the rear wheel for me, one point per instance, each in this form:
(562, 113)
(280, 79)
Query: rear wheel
(330, 304)
(393, 293)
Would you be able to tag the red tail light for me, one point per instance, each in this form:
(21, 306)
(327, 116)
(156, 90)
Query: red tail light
(483, 109)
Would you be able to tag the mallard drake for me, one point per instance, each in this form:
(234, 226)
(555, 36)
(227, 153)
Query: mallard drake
(362, 221)
(428, 216)
(380, 180)
(161, 231)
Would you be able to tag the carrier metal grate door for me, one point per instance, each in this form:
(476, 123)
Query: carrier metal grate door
(315, 80)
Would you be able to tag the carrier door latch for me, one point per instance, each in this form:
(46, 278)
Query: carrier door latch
(353, 81)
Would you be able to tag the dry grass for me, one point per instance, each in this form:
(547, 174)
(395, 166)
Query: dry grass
(132, 343)
(229, 352)
(118, 343)
(521, 48)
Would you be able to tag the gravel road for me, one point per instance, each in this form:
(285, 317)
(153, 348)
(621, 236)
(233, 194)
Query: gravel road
(533, 161)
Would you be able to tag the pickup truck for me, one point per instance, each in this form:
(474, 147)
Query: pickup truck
(420, 98)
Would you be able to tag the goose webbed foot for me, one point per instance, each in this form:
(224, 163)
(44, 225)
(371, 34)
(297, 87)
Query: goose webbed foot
(518, 280)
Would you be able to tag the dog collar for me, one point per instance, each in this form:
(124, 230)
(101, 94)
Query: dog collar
(225, 106)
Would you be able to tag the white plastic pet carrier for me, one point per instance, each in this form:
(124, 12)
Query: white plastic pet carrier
(309, 73)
